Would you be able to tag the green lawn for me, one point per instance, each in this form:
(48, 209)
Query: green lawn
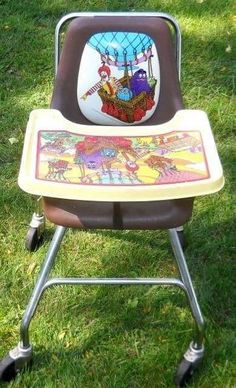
(125, 336)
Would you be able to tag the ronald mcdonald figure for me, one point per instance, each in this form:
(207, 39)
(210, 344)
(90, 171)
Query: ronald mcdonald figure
(108, 83)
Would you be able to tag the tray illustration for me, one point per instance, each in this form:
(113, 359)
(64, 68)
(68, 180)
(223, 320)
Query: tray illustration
(97, 160)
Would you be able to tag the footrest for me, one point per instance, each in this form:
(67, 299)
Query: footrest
(177, 159)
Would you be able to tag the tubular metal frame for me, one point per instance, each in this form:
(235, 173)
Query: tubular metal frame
(44, 283)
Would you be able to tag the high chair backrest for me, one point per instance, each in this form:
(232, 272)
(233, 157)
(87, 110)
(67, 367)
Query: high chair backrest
(118, 70)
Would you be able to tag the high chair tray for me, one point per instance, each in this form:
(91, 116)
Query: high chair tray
(177, 159)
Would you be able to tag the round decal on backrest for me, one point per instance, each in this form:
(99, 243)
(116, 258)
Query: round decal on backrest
(119, 78)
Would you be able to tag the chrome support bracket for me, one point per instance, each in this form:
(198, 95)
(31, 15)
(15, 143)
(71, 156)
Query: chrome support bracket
(21, 355)
(194, 355)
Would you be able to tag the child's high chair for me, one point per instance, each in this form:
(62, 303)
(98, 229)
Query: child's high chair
(117, 150)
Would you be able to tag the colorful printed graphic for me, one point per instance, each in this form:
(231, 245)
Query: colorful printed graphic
(117, 83)
(176, 157)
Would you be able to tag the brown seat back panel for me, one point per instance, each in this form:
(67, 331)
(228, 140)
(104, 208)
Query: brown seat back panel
(79, 32)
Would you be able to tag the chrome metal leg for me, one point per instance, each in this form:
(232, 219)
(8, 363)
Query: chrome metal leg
(43, 283)
(34, 236)
(38, 220)
(186, 279)
(37, 292)
(22, 354)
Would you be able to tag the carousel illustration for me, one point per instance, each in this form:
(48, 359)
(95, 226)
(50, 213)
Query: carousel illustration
(123, 85)
(117, 160)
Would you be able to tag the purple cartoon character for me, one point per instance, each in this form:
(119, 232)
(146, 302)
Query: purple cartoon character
(139, 83)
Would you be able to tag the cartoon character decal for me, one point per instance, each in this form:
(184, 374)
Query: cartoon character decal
(117, 160)
(109, 84)
(139, 83)
(119, 78)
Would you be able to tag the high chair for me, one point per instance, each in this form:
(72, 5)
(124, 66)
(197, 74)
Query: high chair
(117, 150)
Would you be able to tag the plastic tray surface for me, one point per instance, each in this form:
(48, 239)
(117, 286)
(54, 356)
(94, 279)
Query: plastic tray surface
(173, 160)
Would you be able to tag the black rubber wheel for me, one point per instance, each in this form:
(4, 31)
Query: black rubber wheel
(184, 373)
(182, 239)
(33, 240)
(7, 369)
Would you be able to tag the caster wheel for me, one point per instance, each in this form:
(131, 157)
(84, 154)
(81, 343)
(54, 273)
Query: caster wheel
(182, 239)
(184, 373)
(8, 369)
(33, 239)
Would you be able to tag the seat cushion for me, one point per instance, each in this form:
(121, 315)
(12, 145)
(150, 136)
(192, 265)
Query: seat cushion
(122, 215)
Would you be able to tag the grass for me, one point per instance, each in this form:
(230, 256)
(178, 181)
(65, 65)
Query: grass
(119, 337)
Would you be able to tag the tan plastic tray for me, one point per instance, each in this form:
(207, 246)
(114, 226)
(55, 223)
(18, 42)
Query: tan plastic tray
(177, 159)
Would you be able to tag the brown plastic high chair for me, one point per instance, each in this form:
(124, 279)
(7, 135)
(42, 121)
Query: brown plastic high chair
(117, 150)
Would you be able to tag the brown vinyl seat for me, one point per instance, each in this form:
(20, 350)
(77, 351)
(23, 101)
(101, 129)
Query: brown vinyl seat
(118, 215)
(133, 215)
